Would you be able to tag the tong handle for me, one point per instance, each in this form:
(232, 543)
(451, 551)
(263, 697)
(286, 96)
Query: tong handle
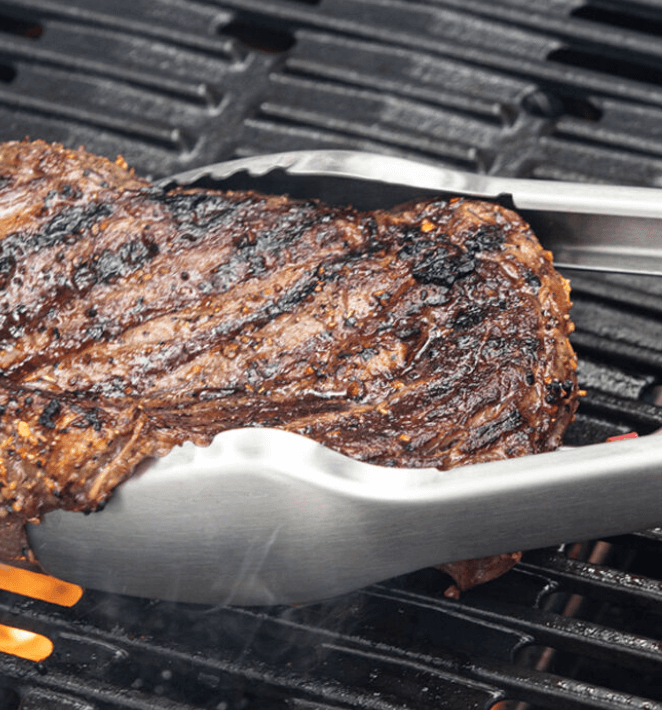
(265, 516)
(591, 227)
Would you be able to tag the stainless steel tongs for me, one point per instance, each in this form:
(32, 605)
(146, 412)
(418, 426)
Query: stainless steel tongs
(268, 517)
(593, 227)
(264, 516)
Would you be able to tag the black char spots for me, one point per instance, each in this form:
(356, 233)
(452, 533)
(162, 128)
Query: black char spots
(441, 269)
(444, 264)
(50, 411)
(485, 239)
(110, 264)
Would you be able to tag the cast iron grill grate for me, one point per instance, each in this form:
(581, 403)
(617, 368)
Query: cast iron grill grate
(571, 90)
(517, 88)
(397, 645)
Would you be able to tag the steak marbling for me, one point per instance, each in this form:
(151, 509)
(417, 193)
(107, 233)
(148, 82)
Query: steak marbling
(133, 319)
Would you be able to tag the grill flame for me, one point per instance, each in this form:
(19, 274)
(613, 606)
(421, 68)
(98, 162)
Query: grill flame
(39, 586)
(23, 643)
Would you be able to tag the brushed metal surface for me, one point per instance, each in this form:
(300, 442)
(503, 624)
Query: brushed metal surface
(264, 516)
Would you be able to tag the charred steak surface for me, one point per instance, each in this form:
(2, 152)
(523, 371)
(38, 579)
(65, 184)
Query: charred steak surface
(133, 319)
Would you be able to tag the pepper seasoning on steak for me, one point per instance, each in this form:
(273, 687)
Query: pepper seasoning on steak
(133, 319)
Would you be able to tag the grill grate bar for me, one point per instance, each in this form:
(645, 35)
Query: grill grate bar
(597, 581)
(445, 100)
(642, 416)
(578, 636)
(547, 21)
(401, 71)
(606, 377)
(615, 350)
(186, 25)
(652, 536)
(561, 632)
(67, 693)
(643, 142)
(155, 132)
(464, 35)
(618, 293)
(293, 116)
(552, 691)
(20, 51)
(572, 160)
(267, 135)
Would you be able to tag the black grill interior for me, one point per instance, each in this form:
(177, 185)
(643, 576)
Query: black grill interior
(396, 645)
(530, 88)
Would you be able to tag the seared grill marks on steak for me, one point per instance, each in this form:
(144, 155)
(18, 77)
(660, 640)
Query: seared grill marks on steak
(133, 319)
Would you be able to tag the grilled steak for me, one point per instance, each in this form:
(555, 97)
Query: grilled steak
(133, 319)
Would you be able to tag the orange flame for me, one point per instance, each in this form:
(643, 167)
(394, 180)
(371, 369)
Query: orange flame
(39, 586)
(26, 644)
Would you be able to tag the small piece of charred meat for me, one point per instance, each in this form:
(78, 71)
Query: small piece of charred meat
(133, 319)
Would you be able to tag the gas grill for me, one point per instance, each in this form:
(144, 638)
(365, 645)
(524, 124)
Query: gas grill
(566, 89)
